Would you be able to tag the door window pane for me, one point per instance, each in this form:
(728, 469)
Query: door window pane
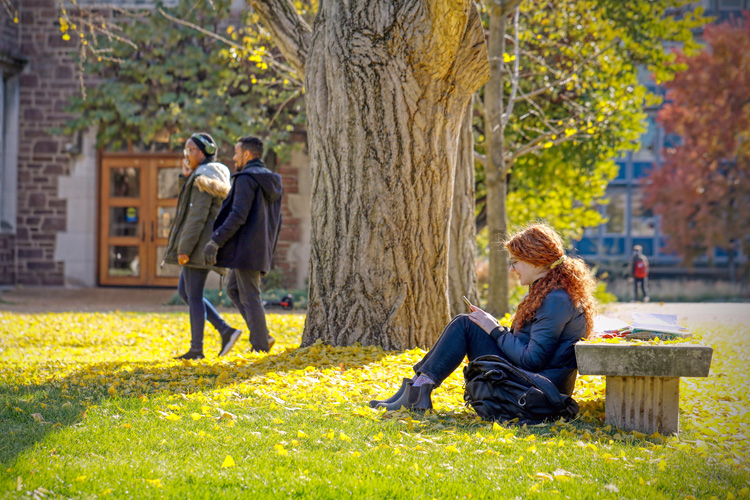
(167, 180)
(168, 270)
(125, 182)
(164, 218)
(124, 261)
(124, 221)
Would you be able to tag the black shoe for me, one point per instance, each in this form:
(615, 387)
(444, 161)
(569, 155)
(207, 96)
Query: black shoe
(375, 402)
(191, 354)
(413, 398)
(228, 340)
(271, 342)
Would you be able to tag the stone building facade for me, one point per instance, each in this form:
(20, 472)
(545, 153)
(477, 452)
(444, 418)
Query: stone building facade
(50, 211)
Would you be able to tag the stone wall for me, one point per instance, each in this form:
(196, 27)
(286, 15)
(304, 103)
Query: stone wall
(293, 249)
(54, 238)
(9, 49)
(45, 84)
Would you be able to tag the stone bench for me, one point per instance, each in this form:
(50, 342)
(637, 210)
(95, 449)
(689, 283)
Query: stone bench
(643, 381)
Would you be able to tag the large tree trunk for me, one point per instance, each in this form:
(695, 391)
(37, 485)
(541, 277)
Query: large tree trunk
(462, 266)
(495, 168)
(387, 86)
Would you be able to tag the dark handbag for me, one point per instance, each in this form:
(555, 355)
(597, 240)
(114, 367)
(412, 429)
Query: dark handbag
(498, 390)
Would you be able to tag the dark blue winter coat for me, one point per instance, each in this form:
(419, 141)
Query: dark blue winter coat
(546, 344)
(248, 223)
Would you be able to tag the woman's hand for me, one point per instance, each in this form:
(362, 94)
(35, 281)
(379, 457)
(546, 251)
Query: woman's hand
(186, 170)
(485, 320)
(183, 259)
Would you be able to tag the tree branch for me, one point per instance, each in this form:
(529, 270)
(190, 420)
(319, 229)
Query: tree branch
(514, 86)
(506, 6)
(270, 60)
(290, 32)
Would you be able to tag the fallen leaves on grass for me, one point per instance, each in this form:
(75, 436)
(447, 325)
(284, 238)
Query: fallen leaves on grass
(128, 355)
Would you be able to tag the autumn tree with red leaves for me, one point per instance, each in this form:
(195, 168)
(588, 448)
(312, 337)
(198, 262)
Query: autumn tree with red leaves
(702, 190)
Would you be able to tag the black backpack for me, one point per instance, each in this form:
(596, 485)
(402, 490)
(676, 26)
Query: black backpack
(498, 390)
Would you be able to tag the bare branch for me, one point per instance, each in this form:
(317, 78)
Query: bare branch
(269, 60)
(294, 94)
(570, 76)
(514, 86)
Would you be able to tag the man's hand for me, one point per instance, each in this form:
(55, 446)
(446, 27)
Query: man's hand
(485, 320)
(183, 259)
(209, 253)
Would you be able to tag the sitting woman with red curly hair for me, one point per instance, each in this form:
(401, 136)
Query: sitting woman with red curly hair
(557, 312)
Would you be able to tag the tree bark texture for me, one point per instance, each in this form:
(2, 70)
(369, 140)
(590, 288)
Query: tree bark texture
(387, 86)
(495, 167)
(462, 254)
(289, 31)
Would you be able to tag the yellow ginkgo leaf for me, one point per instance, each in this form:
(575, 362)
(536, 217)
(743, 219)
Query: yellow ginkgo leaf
(301, 434)
(196, 416)
(451, 449)
(155, 482)
(80, 479)
(228, 462)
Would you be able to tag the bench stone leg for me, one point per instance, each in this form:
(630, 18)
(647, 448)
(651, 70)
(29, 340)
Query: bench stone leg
(645, 404)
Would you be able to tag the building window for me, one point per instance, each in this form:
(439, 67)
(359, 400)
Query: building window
(615, 210)
(9, 92)
(642, 221)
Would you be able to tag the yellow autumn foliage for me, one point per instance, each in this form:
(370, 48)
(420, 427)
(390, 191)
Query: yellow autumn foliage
(129, 355)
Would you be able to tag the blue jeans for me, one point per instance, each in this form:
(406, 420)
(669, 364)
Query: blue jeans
(461, 337)
(190, 288)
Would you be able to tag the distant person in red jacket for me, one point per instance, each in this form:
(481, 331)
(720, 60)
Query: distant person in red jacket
(639, 270)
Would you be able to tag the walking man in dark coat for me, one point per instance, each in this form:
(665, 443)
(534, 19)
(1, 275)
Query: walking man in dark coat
(244, 239)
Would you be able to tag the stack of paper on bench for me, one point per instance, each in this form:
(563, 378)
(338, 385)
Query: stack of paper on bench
(648, 326)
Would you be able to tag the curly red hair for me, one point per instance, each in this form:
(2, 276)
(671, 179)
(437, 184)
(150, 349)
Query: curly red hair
(540, 245)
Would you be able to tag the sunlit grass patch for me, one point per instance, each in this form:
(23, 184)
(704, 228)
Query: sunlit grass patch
(92, 404)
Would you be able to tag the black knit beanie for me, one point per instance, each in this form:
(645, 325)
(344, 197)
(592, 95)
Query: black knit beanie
(200, 144)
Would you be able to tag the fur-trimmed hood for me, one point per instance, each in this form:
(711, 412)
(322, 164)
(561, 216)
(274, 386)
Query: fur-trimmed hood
(213, 178)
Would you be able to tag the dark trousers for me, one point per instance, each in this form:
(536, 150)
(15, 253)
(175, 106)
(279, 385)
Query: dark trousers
(644, 287)
(190, 288)
(462, 337)
(243, 289)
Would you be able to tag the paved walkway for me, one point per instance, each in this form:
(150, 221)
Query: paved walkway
(51, 299)
(687, 313)
(54, 299)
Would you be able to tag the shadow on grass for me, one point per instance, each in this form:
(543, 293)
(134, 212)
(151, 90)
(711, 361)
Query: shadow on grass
(29, 412)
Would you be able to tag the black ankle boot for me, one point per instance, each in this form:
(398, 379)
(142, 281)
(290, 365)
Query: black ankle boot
(413, 398)
(375, 402)
(191, 354)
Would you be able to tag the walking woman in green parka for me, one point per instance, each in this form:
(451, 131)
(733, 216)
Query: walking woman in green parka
(206, 185)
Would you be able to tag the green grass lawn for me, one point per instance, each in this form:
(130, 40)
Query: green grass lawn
(91, 405)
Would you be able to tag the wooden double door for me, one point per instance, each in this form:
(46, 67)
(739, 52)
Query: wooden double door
(138, 199)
